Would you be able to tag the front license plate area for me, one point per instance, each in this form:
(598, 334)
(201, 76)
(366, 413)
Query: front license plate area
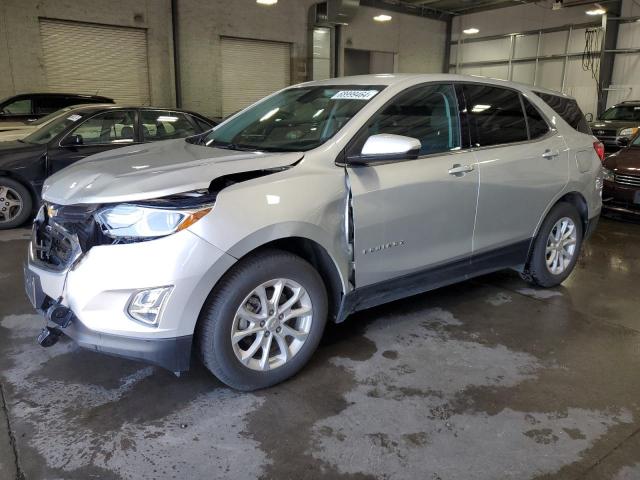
(33, 289)
(636, 198)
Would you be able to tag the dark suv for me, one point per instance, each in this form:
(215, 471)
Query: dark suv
(618, 124)
(621, 192)
(17, 110)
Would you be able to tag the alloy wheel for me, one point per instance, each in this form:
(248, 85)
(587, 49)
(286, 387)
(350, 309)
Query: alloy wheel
(561, 245)
(271, 324)
(11, 204)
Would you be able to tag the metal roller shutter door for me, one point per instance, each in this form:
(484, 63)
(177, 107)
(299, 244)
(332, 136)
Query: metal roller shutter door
(252, 69)
(96, 59)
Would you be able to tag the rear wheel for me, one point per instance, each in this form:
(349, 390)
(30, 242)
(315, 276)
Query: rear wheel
(263, 321)
(15, 203)
(557, 246)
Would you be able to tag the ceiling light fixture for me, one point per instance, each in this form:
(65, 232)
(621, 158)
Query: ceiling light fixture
(470, 31)
(596, 11)
(267, 2)
(382, 18)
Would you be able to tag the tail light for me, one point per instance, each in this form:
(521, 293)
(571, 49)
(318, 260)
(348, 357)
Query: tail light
(599, 148)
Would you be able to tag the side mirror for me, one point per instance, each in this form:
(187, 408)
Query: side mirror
(589, 117)
(623, 141)
(386, 147)
(72, 140)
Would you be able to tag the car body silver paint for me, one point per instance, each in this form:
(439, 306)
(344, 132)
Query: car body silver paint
(309, 200)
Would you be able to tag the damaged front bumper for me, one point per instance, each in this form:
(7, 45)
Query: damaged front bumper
(87, 299)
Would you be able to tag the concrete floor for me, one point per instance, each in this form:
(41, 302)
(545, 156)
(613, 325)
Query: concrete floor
(489, 379)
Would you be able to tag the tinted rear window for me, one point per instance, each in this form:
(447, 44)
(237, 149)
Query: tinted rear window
(568, 109)
(495, 114)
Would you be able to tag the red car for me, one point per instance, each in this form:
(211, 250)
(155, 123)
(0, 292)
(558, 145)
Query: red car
(621, 193)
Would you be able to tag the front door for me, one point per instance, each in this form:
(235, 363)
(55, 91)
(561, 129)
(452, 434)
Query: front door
(105, 131)
(418, 214)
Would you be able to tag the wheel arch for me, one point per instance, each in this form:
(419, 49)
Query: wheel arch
(580, 203)
(318, 256)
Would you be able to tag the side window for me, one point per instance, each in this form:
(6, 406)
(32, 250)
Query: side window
(495, 114)
(164, 125)
(538, 126)
(109, 127)
(428, 113)
(568, 109)
(46, 105)
(19, 107)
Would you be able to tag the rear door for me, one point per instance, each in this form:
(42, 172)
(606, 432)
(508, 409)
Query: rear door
(523, 165)
(412, 215)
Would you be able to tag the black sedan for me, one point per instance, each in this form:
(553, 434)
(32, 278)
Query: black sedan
(83, 131)
(19, 110)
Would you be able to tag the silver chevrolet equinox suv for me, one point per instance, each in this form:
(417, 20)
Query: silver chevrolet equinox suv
(323, 199)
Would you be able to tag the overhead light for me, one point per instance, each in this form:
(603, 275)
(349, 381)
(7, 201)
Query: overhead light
(471, 31)
(382, 18)
(596, 11)
(267, 2)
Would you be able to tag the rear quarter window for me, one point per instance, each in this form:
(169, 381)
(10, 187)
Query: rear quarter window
(568, 109)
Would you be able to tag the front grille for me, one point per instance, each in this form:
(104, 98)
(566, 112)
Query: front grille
(62, 233)
(605, 133)
(628, 180)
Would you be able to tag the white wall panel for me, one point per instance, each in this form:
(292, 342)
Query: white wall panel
(483, 51)
(524, 72)
(553, 43)
(581, 85)
(549, 74)
(526, 46)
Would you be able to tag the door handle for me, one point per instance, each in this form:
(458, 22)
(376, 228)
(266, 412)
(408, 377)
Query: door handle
(459, 170)
(548, 154)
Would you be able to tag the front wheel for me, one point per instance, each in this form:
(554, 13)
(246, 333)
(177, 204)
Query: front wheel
(15, 203)
(263, 321)
(557, 246)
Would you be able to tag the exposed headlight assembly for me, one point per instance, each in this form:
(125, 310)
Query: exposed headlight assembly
(144, 222)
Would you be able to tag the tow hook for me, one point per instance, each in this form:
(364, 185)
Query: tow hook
(49, 336)
(59, 314)
(62, 317)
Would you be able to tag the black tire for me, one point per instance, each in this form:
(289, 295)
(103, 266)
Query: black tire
(537, 271)
(213, 333)
(24, 196)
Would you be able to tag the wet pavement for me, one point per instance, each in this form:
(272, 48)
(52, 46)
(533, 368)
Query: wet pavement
(489, 379)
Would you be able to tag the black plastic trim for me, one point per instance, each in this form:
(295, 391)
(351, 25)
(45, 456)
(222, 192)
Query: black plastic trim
(509, 256)
(173, 354)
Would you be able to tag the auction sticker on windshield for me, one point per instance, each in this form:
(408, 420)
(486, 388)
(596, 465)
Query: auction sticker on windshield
(74, 118)
(354, 95)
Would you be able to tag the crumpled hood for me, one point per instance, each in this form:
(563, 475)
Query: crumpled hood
(153, 170)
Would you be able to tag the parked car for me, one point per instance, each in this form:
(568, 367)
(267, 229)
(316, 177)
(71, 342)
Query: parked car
(19, 110)
(320, 200)
(20, 133)
(621, 194)
(80, 132)
(617, 124)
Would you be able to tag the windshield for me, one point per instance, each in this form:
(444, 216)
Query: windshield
(51, 116)
(54, 128)
(628, 113)
(636, 141)
(296, 119)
